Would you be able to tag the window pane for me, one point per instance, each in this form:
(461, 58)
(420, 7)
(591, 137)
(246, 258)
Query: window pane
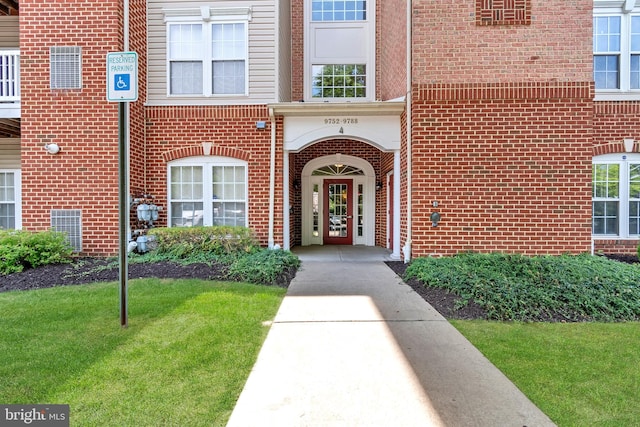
(635, 33)
(634, 217)
(186, 78)
(338, 10)
(605, 218)
(606, 34)
(606, 180)
(339, 81)
(635, 72)
(186, 214)
(606, 72)
(634, 181)
(229, 213)
(228, 77)
(185, 41)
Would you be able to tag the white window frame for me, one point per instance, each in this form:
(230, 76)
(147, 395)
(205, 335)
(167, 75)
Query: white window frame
(17, 202)
(207, 163)
(623, 160)
(208, 17)
(625, 9)
(317, 53)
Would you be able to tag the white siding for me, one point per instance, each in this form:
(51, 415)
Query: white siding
(9, 32)
(262, 54)
(9, 153)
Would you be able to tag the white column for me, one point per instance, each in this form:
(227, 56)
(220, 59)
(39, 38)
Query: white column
(286, 240)
(396, 205)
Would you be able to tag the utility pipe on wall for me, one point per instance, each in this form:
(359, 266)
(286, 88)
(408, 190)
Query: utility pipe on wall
(272, 177)
(407, 246)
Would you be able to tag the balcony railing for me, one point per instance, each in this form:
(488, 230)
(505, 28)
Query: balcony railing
(9, 75)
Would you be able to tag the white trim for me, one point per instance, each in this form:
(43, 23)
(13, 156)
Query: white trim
(207, 163)
(17, 185)
(206, 58)
(623, 160)
(369, 189)
(206, 13)
(365, 54)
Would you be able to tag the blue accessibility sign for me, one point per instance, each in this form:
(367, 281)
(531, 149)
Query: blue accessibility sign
(122, 81)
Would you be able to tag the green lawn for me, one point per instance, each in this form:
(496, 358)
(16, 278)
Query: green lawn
(183, 360)
(579, 374)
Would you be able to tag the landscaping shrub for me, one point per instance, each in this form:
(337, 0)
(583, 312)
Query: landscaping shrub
(517, 287)
(265, 266)
(184, 242)
(23, 249)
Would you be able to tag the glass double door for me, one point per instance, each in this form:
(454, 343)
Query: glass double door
(338, 204)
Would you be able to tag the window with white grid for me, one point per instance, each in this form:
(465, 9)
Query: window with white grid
(207, 191)
(616, 50)
(65, 67)
(9, 200)
(207, 58)
(69, 222)
(616, 195)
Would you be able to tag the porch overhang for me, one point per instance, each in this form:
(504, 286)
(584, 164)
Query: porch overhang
(376, 123)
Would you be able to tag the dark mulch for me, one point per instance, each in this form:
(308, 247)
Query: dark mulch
(91, 270)
(442, 300)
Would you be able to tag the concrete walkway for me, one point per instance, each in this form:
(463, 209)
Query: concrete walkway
(352, 345)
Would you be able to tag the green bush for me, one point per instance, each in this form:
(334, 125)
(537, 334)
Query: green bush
(517, 287)
(24, 249)
(265, 266)
(185, 242)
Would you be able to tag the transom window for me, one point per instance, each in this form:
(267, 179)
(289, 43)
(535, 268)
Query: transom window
(616, 52)
(616, 195)
(206, 191)
(338, 10)
(339, 81)
(207, 58)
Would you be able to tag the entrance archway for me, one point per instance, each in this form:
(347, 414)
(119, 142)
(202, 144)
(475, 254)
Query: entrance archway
(355, 178)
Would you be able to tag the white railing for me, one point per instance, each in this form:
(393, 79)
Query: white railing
(9, 75)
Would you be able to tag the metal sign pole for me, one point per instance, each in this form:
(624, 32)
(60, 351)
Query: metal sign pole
(123, 210)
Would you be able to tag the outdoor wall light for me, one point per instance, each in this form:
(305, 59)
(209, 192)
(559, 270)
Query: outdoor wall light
(378, 186)
(296, 184)
(52, 148)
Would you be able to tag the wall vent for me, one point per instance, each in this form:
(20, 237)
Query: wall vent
(70, 223)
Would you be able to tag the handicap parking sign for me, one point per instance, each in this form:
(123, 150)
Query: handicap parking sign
(122, 76)
(122, 81)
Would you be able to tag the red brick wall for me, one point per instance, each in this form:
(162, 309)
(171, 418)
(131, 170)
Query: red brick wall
(449, 47)
(391, 51)
(326, 148)
(178, 132)
(510, 167)
(138, 43)
(297, 50)
(612, 123)
(84, 175)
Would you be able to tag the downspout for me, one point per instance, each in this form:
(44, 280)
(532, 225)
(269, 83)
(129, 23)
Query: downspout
(407, 246)
(272, 177)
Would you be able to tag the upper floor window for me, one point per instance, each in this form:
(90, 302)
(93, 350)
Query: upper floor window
(616, 51)
(338, 10)
(616, 195)
(207, 57)
(339, 50)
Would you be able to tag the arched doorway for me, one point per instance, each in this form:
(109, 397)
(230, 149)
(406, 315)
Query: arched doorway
(338, 201)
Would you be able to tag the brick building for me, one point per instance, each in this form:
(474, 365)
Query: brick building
(423, 126)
